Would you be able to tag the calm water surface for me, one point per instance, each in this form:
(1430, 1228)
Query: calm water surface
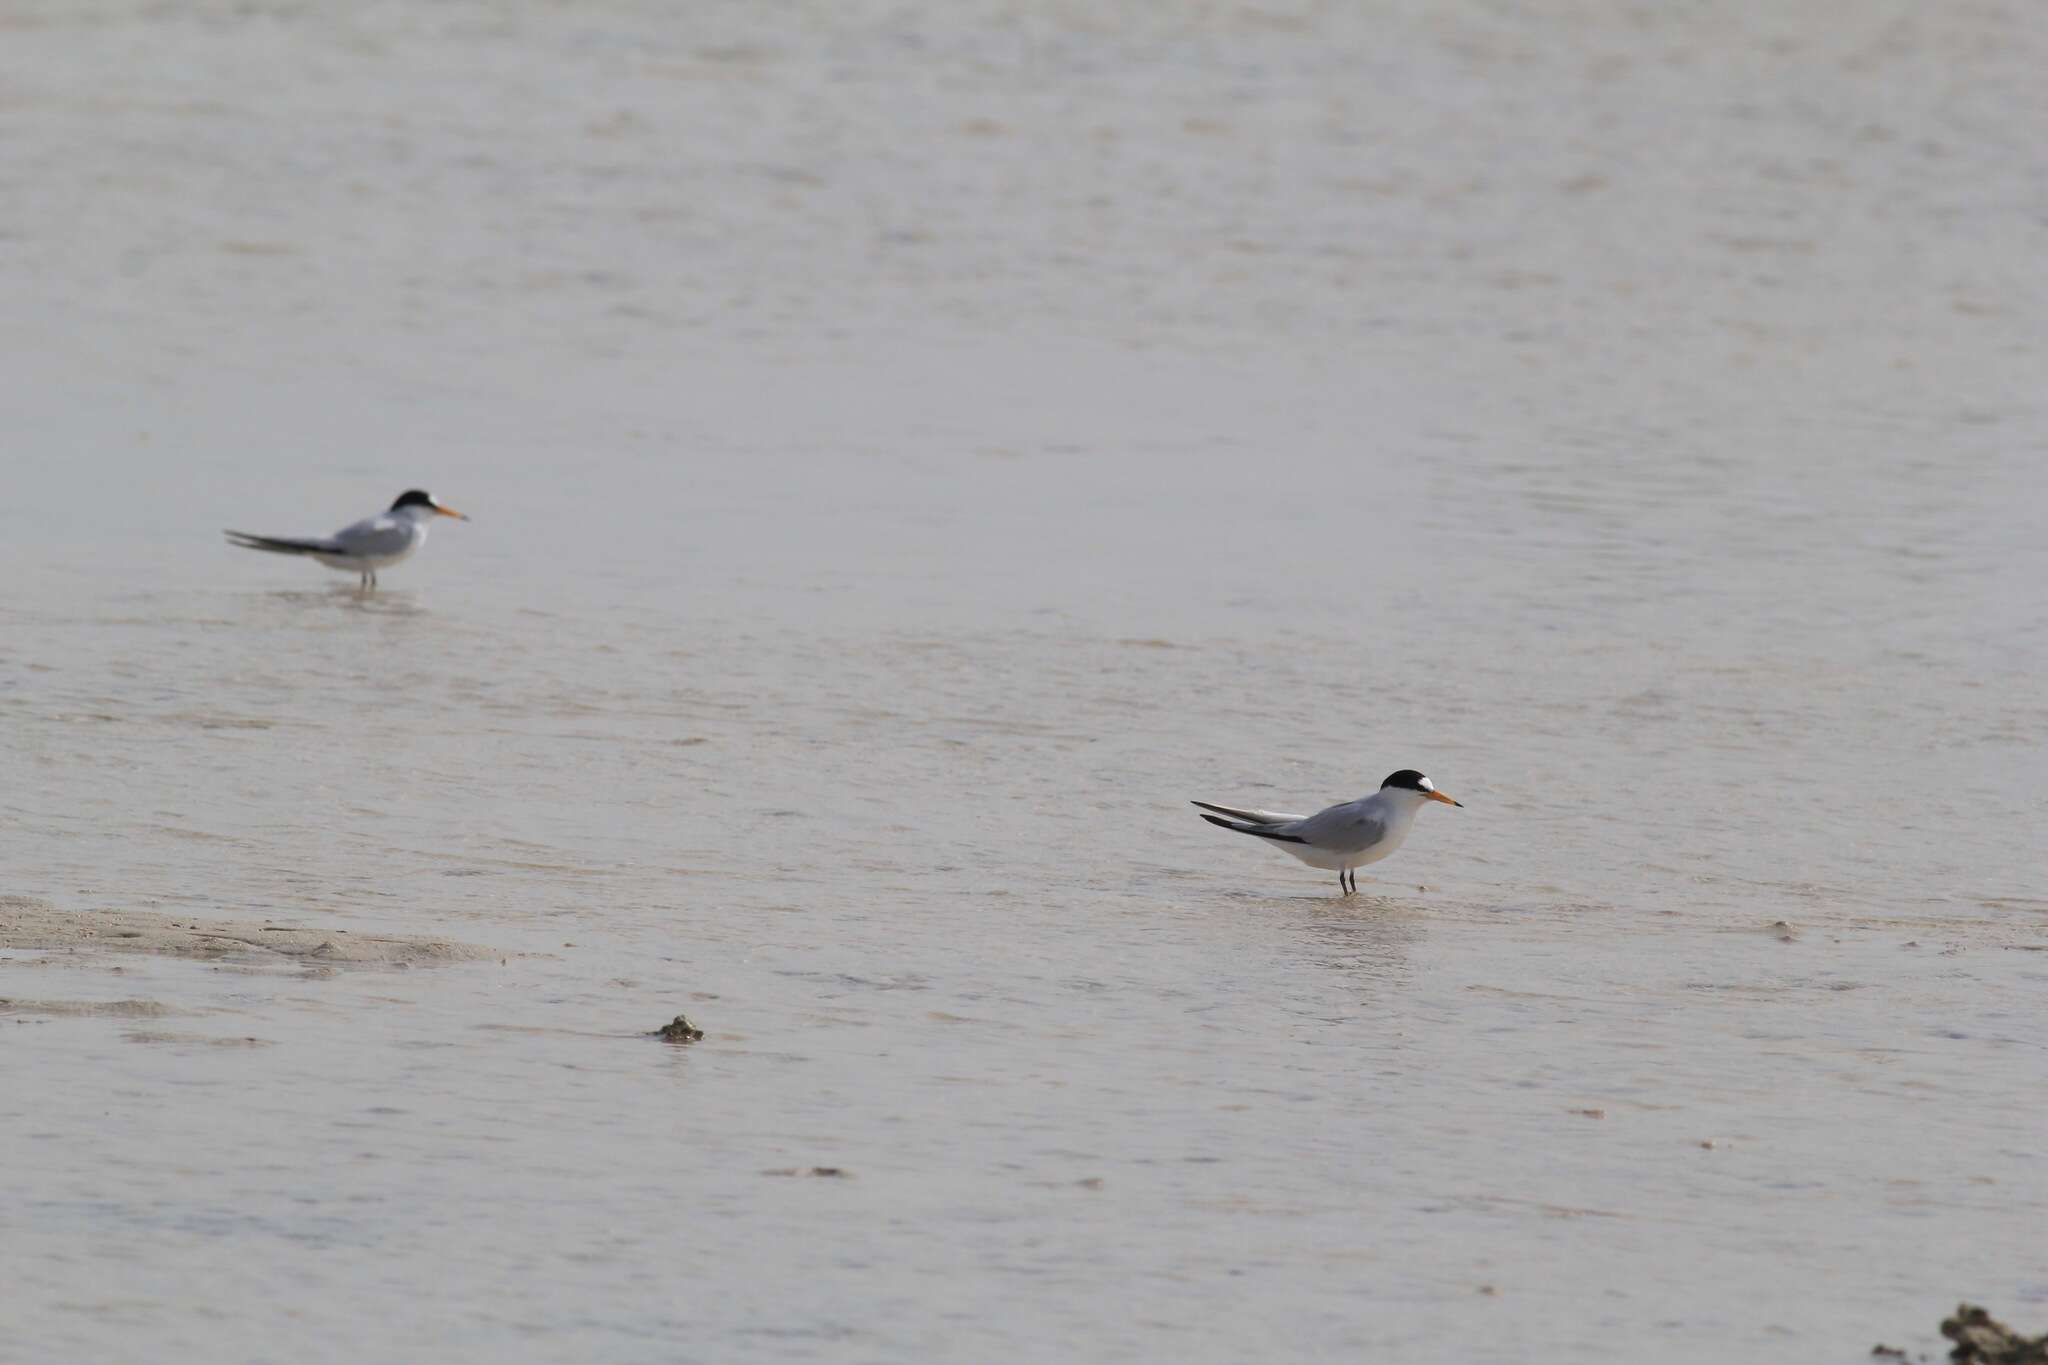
(914, 450)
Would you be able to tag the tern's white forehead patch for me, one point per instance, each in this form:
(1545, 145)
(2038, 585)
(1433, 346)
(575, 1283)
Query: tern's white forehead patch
(1427, 785)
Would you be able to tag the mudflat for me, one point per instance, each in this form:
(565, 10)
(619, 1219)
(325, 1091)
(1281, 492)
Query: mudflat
(31, 925)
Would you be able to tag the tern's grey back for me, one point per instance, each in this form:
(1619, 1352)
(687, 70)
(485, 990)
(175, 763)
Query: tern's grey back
(381, 535)
(1351, 827)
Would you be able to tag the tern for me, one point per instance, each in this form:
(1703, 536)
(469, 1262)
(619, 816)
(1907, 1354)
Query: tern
(368, 545)
(1348, 835)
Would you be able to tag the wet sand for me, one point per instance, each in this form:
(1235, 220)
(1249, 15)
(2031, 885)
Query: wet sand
(914, 449)
(31, 925)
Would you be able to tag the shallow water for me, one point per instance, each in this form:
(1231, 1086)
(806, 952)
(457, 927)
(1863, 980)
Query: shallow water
(912, 452)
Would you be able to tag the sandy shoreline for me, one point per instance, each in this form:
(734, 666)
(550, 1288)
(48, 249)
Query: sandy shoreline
(31, 925)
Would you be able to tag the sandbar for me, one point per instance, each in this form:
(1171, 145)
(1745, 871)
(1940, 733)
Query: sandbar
(31, 925)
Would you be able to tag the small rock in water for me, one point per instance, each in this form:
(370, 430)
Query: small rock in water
(679, 1030)
(1980, 1337)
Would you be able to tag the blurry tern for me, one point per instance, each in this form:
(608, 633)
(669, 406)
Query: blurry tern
(369, 545)
(1345, 837)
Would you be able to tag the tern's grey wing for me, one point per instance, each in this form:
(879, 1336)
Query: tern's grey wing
(285, 545)
(1275, 832)
(374, 536)
(1350, 828)
(1250, 815)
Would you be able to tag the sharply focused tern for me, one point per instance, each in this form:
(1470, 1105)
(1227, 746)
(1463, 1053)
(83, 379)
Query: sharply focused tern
(369, 545)
(1345, 837)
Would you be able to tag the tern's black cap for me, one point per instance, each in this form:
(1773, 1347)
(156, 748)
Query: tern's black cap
(1408, 778)
(414, 497)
